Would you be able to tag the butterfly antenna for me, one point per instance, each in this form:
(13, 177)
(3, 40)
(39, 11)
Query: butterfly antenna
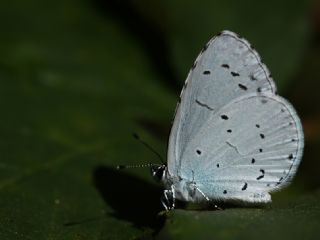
(119, 167)
(136, 136)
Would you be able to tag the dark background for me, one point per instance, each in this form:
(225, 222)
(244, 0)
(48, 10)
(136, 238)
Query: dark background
(77, 78)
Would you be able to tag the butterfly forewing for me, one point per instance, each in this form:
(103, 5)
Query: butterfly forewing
(226, 69)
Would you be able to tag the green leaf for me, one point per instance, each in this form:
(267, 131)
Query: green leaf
(297, 218)
(74, 86)
(78, 77)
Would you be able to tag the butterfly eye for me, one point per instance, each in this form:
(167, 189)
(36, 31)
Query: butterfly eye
(158, 172)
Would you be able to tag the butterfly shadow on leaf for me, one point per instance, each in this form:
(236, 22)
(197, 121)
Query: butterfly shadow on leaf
(131, 198)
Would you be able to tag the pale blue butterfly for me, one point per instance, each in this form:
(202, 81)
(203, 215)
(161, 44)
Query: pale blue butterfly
(233, 138)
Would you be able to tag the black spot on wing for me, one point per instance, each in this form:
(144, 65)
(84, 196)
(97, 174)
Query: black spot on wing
(218, 165)
(290, 156)
(198, 152)
(260, 150)
(259, 89)
(244, 186)
(229, 131)
(262, 175)
(225, 66)
(235, 74)
(243, 87)
(224, 117)
(253, 160)
(224, 191)
(262, 135)
(257, 125)
(206, 72)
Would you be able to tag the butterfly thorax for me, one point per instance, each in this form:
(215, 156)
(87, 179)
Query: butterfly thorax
(183, 189)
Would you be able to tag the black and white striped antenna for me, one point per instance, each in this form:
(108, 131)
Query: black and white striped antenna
(136, 136)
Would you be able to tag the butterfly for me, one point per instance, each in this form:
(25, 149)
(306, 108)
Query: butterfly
(233, 138)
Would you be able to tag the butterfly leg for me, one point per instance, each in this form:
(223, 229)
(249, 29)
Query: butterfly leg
(168, 199)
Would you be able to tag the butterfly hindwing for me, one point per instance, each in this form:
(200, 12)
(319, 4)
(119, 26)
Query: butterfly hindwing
(250, 147)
